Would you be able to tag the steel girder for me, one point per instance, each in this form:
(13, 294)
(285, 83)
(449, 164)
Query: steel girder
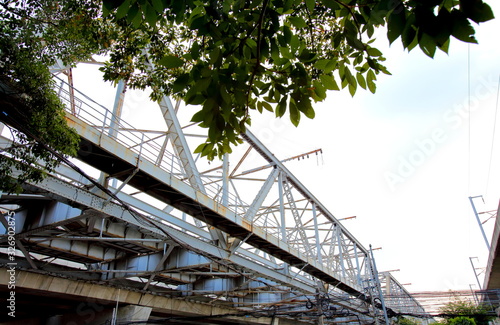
(285, 235)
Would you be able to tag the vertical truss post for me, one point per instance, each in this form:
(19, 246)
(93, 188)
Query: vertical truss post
(341, 251)
(117, 109)
(316, 231)
(357, 263)
(71, 92)
(114, 123)
(387, 284)
(374, 274)
(282, 208)
(225, 180)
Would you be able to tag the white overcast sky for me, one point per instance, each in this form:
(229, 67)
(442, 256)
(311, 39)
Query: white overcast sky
(405, 160)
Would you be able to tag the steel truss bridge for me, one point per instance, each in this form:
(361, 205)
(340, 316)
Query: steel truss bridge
(136, 212)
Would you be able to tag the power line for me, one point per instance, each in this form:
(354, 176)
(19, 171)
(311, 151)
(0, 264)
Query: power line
(493, 138)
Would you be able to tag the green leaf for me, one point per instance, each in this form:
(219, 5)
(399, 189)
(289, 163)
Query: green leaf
(319, 91)
(275, 52)
(267, 106)
(477, 10)
(329, 82)
(297, 22)
(462, 29)
(123, 9)
(332, 4)
(180, 83)
(373, 52)
(294, 113)
(287, 35)
(171, 61)
(326, 65)
(195, 50)
(158, 5)
(307, 55)
(427, 44)
(199, 116)
(281, 108)
(396, 23)
(226, 97)
(310, 4)
(194, 99)
(285, 52)
(409, 35)
(215, 55)
(259, 107)
(445, 46)
(305, 107)
(361, 80)
(352, 90)
(352, 40)
(151, 15)
(349, 77)
(370, 81)
(294, 43)
(134, 16)
(109, 5)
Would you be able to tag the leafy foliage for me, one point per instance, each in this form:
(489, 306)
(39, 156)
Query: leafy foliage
(31, 39)
(462, 320)
(405, 321)
(464, 312)
(229, 57)
(234, 56)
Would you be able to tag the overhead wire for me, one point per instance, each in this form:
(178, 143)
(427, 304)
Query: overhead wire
(469, 156)
(492, 139)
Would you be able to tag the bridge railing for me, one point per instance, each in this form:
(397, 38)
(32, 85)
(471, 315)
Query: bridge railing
(146, 144)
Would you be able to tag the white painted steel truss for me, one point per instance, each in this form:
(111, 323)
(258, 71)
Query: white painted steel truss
(245, 233)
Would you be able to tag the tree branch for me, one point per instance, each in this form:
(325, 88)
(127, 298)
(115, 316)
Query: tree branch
(257, 64)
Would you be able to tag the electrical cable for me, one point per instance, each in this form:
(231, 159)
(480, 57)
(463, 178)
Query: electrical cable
(492, 139)
(469, 166)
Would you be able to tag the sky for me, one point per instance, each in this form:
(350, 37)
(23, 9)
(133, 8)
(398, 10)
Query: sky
(405, 160)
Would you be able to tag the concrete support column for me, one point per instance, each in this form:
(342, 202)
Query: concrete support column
(133, 313)
(129, 313)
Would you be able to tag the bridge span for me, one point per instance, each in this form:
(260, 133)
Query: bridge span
(137, 228)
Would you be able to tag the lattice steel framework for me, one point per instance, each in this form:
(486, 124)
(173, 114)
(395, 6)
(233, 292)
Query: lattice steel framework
(155, 217)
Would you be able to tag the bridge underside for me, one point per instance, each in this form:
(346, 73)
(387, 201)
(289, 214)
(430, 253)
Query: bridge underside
(44, 299)
(75, 247)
